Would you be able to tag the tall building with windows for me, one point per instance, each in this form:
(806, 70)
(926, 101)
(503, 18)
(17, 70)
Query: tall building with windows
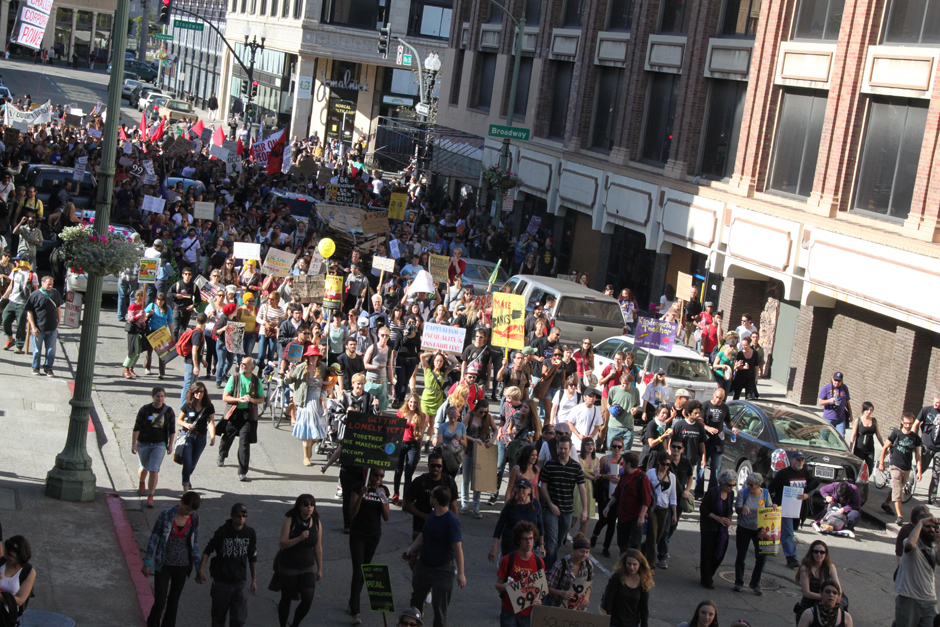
(198, 54)
(320, 71)
(781, 151)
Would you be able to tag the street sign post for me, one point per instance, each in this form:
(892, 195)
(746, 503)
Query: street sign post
(186, 25)
(163, 37)
(510, 132)
(399, 56)
(422, 109)
(406, 59)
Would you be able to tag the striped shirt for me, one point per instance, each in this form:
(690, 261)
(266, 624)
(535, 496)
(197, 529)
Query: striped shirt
(561, 481)
(267, 313)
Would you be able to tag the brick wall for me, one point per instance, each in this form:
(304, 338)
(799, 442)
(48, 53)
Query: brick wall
(738, 297)
(932, 369)
(633, 91)
(809, 348)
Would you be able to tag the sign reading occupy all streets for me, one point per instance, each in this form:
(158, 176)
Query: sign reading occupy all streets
(378, 581)
(372, 441)
(508, 320)
(653, 333)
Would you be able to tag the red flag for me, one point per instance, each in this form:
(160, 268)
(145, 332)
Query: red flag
(143, 127)
(123, 134)
(197, 128)
(276, 151)
(156, 132)
(218, 136)
(239, 147)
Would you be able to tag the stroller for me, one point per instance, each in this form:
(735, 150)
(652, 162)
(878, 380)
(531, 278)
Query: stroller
(336, 417)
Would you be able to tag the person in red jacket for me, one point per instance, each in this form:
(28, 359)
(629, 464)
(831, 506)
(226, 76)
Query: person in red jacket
(632, 498)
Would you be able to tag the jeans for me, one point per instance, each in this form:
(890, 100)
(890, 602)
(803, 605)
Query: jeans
(714, 466)
(267, 348)
(662, 549)
(439, 581)
(408, 456)
(786, 538)
(468, 462)
(49, 339)
(244, 447)
(626, 434)
(501, 459)
(168, 585)
(188, 380)
(744, 539)
(192, 451)
(840, 427)
(249, 343)
(629, 534)
(225, 360)
(910, 612)
(126, 291)
(361, 551)
(229, 600)
(555, 529)
(15, 311)
(404, 368)
(508, 618)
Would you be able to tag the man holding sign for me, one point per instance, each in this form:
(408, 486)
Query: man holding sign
(792, 485)
(518, 566)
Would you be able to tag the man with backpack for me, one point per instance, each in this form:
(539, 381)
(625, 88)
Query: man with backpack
(185, 298)
(22, 283)
(191, 347)
(517, 566)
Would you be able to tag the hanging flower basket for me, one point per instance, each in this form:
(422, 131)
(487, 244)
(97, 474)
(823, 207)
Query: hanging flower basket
(98, 254)
(500, 178)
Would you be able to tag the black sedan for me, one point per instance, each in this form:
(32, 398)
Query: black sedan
(767, 430)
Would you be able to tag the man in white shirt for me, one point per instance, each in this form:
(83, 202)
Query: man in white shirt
(377, 183)
(190, 247)
(189, 171)
(155, 251)
(6, 187)
(746, 329)
(585, 420)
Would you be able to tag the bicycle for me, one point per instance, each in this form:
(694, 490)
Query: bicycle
(274, 397)
(882, 478)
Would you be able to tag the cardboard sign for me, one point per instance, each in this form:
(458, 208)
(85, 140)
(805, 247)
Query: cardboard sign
(372, 441)
(73, 310)
(178, 147)
(439, 264)
(378, 581)
(581, 589)
(484, 468)
(163, 345)
(278, 262)
(548, 616)
(439, 337)
(653, 333)
(768, 530)
(78, 172)
(324, 175)
(153, 204)
(791, 505)
(295, 352)
(483, 301)
(332, 291)
(246, 250)
(345, 191)
(383, 263)
(394, 247)
(218, 152)
(309, 288)
(235, 338)
(374, 222)
(526, 592)
(204, 211)
(147, 270)
(11, 138)
(508, 321)
(396, 206)
(684, 287)
(73, 121)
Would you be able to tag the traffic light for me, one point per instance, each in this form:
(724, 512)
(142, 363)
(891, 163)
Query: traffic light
(254, 89)
(244, 86)
(165, 12)
(385, 34)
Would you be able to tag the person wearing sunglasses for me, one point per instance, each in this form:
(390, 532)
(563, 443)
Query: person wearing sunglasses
(681, 468)
(610, 469)
(663, 514)
(815, 568)
(716, 509)
(368, 507)
(236, 547)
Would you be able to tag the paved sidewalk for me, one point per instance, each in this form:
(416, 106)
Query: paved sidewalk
(76, 551)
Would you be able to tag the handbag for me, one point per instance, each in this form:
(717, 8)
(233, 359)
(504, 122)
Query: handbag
(181, 438)
(541, 388)
(131, 327)
(275, 585)
(687, 505)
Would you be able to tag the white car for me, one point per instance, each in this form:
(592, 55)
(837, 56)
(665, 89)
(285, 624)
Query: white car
(77, 281)
(5, 93)
(683, 366)
(146, 101)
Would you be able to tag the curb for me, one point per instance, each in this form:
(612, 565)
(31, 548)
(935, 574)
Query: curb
(125, 534)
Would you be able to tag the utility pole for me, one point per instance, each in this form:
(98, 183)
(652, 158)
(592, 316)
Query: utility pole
(144, 35)
(72, 479)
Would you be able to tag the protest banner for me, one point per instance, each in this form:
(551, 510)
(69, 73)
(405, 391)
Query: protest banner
(439, 337)
(278, 262)
(396, 206)
(309, 288)
(581, 589)
(378, 581)
(73, 310)
(549, 616)
(791, 505)
(372, 441)
(684, 287)
(163, 345)
(22, 120)
(383, 263)
(235, 338)
(332, 291)
(78, 172)
(653, 333)
(768, 529)
(527, 591)
(147, 270)
(374, 222)
(438, 265)
(295, 352)
(394, 247)
(245, 250)
(508, 321)
(153, 204)
(204, 211)
(484, 469)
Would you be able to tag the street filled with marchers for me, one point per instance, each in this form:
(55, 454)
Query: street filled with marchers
(388, 327)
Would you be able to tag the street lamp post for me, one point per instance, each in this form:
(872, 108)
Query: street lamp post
(432, 65)
(254, 46)
(511, 110)
(71, 479)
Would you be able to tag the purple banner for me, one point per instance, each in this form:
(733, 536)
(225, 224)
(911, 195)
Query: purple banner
(653, 333)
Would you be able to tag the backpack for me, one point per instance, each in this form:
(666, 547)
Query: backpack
(540, 564)
(10, 612)
(834, 520)
(184, 345)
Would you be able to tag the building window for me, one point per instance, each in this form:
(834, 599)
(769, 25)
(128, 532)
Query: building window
(913, 22)
(660, 114)
(609, 81)
(741, 18)
(561, 94)
(818, 19)
(285, 8)
(355, 13)
(533, 12)
(430, 19)
(522, 88)
(486, 62)
(890, 155)
(298, 9)
(254, 6)
(458, 77)
(722, 127)
(621, 15)
(264, 7)
(798, 131)
(572, 15)
(244, 6)
(234, 6)
(496, 15)
(676, 16)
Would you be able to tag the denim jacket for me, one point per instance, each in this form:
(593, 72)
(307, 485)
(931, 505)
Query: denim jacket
(161, 532)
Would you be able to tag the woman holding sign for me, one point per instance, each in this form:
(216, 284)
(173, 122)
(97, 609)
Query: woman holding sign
(570, 578)
(159, 315)
(750, 498)
(368, 508)
(306, 381)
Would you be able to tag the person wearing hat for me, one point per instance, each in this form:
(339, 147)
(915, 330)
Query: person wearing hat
(235, 545)
(29, 233)
(23, 282)
(567, 572)
(835, 400)
(306, 382)
(247, 314)
(796, 476)
(410, 617)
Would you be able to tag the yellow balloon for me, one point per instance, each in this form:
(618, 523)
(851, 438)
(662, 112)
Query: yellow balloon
(326, 247)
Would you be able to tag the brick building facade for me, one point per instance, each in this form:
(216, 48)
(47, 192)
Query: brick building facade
(780, 150)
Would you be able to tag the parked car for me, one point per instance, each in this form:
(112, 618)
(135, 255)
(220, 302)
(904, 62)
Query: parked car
(129, 86)
(146, 94)
(301, 206)
(187, 183)
(6, 94)
(143, 70)
(767, 430)
(48, 180)
(683, 366)
(153, 109)
(77, 281)
(477, 273)
(579, 311)
(178, 111)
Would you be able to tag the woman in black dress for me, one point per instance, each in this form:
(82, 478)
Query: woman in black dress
(627, 596)
(368, 508)
(863, 436)
(716, 511)
(745, 370)
(300, 560)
